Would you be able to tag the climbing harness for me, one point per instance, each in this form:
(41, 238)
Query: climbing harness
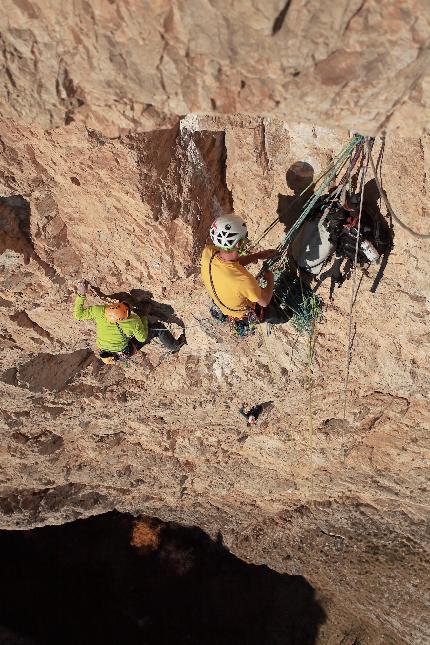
(240, 327)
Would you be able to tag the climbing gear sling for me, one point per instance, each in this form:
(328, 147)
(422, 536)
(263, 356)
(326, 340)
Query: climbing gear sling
(110, 358)
(244, 309)
(240, 326)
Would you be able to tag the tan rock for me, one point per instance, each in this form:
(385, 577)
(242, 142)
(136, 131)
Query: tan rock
(342, 502)
(102, 177)
(118, 65)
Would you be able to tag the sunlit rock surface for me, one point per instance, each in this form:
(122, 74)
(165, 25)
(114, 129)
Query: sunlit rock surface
(120, 64)
(123, 196)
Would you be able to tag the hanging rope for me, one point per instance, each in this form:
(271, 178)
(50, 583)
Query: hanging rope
(354, 278)
(332, 170)
(354, 158)
(422, 236)
(310, 382)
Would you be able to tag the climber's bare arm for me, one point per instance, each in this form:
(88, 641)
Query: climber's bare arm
(244, 260)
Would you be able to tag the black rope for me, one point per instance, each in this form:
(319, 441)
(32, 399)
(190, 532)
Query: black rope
(213, 286)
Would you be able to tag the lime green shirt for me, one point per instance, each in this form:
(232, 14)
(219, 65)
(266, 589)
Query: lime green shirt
(108, 336)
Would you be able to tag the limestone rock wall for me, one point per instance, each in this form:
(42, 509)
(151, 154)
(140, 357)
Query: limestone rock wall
(342, 502)
(101, 177)
(120, 64)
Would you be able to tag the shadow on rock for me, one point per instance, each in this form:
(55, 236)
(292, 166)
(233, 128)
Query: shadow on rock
(46, 371)
(15, 234)
(299, 175)
(111, 579)
(383, 232)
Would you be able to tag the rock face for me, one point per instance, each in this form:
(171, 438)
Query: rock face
(341, 501)
(120, 64)
(110, 195)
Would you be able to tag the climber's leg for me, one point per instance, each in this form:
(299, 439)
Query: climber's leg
(158, 330)
(109, 358)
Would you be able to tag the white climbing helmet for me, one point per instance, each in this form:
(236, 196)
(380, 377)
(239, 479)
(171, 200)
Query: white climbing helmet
(226, 231)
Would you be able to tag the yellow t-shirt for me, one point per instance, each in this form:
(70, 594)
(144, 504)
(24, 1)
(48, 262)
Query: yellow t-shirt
(234, 285)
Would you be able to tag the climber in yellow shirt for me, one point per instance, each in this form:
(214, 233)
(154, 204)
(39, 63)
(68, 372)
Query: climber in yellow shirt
(234, 290)
(120, 331)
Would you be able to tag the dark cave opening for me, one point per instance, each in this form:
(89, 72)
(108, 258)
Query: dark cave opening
(113, 579)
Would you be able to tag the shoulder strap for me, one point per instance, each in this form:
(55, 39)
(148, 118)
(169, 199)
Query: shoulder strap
(213, 286)
(124, 337)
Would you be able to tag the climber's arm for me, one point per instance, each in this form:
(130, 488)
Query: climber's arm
(83, 313)
(254, 293)
(141, 329)
(79, 311)
(244, 260)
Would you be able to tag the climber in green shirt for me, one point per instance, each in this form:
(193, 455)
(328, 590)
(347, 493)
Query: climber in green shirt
(119, 330)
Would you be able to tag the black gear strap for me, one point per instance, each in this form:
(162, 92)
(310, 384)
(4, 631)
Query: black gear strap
(124, 337)
(213, 286)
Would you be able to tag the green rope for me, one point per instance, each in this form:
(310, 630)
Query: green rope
(335, 169)
(306, 308)
(289, 292)
(332, 170)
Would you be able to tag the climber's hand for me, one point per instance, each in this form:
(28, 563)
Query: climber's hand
(82, 288)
